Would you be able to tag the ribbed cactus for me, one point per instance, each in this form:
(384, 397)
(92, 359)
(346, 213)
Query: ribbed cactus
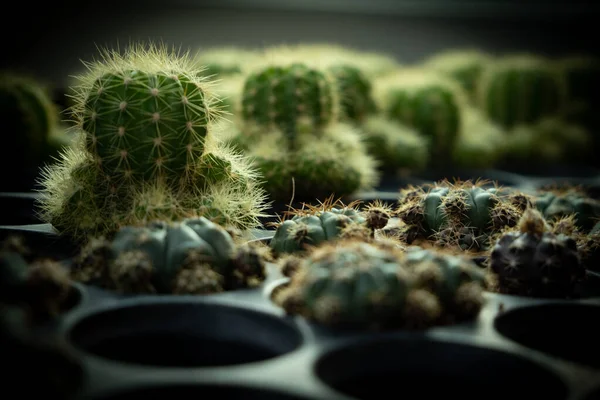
(145, 150)
(462, 215)
(427, 102)
(557, 203)
(294, 98)
(353, 284)
(354, 91)
(30, 121)
(521, 90)
(533, 261)
(194, 256)
(314, 225)
(466, 66)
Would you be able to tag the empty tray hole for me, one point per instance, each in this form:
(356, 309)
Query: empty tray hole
(377, 368)
(199, 392)
(567, 331)
(180, 334)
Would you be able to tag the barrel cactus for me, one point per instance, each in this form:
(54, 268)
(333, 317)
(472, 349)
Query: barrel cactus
(464, 65)
(31, 122)
(145, 150)
(313, 225)
(353, 284)
(462, 215)
(428, 102)
(521, 89)
(194, 256)
(354, 91)
(562, 202)
(532, 261)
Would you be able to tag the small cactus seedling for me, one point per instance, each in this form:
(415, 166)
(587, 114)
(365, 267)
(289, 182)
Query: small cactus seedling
(145, 150)
(588, 242)
(194, 256)
(462, 215)
(521, 89)
(535, 262)
(466, 66)
(556, 203)
(354, 284)
(41, 286)
(313, 225)
(428, 102)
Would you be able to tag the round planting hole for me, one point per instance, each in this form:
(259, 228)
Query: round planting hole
(199, 392)
(375, 369)
(567, 331)
(179, 334)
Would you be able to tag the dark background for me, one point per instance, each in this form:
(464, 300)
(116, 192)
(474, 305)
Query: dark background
(51, 38)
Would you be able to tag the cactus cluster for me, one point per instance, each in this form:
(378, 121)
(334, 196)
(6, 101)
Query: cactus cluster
(556, 203)
(534, 261)
(465, 215)
(193, 256)
(146, 150)
(354, 284)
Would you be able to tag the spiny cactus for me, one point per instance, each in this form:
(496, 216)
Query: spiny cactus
(294, 98)
(588, 242)
(30, 122)
(194, 256)
(336, 164)
(145, 150)
(396, 146)
(313, 225)
(533, 261)
(429, 102)
(521, 89)
(480, 143)
(461, 214)
(353, 284)
(555, 203)
(354, 90)
(42, 286)
(466, 66)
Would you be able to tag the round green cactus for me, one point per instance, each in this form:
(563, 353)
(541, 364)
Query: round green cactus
(555, 204)
(154, 258)
(428, 103)
(532, 261)
(145, 150)
(521, 90)
(354, 90)
(294, 98)
(463, 215)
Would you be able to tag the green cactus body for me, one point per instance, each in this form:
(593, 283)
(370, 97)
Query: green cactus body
(555, 205)
(521, 91)
(168, 246)
(354, 90)
(295, 99)
(292, 235)
(146, 125)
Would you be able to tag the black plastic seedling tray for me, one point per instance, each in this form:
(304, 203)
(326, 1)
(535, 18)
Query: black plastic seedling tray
(241, 345)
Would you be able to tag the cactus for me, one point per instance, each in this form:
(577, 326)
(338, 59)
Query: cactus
(144, 150)
(194, 256)
(337, 164)
(294, 98)
(354, 91)
(396, 146)
(463, 215)
(466, 66)
(313, 225)
(427, 102)
(588, 242)
(480, 144)
(535, 262)
(521, 90)
(353, 284)
(555, 203)
(30, 120)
